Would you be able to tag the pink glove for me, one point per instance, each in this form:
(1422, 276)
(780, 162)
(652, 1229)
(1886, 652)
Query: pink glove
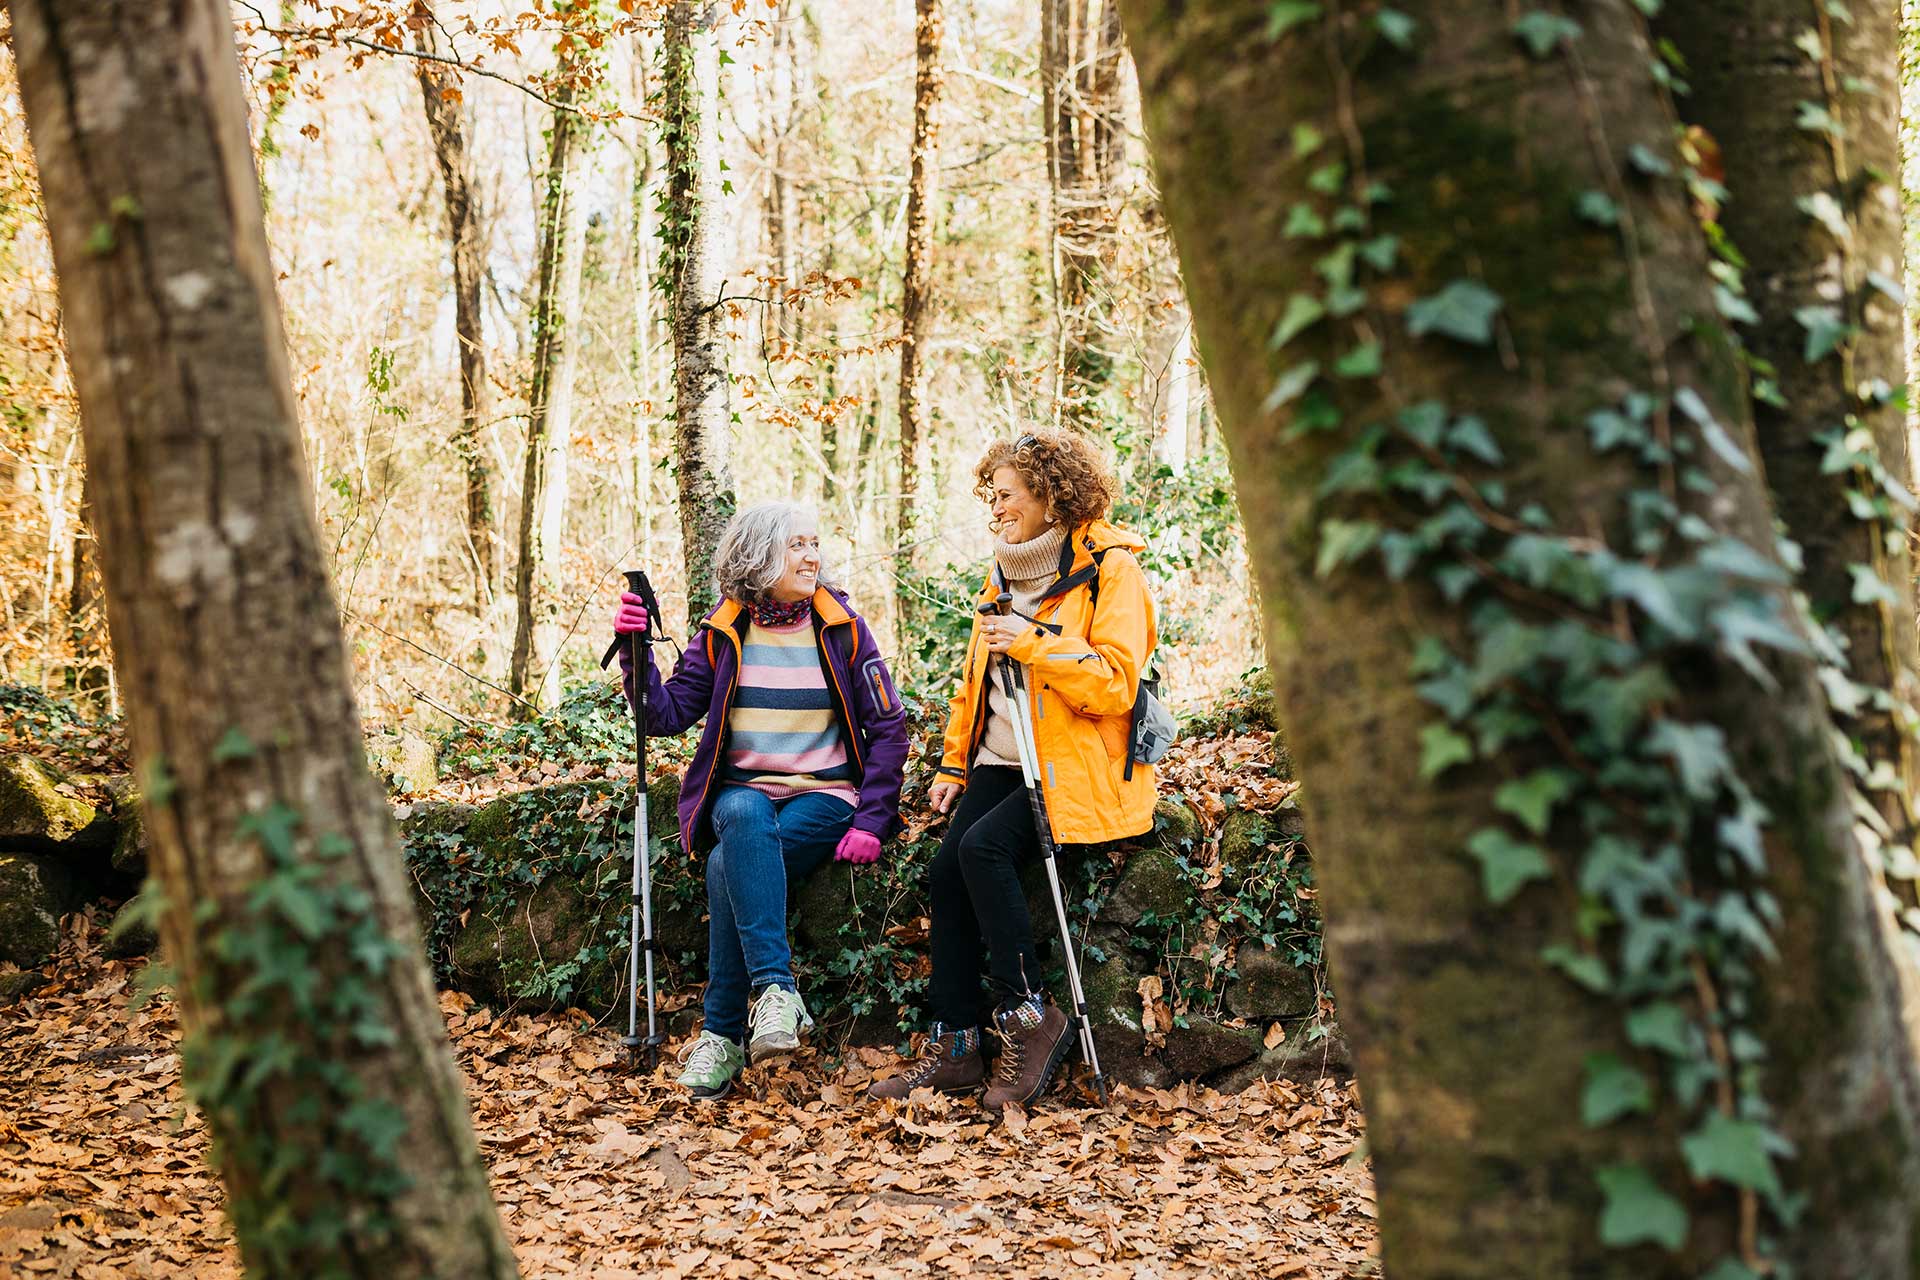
(631, 616)
(858, 847)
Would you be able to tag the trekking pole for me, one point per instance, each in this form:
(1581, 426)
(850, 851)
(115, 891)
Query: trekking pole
(642, 1051)
(1014, 682)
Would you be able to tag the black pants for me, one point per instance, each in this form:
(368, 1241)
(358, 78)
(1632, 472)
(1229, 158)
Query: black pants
(975, 897)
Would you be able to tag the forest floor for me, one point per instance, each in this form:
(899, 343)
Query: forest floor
(603, 1174)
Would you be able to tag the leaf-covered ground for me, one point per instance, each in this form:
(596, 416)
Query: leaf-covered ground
(604, 1174)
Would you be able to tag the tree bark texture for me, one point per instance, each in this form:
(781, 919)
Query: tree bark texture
(694, 259)
(916, 312)
(1752, 72)
(1081, 51)
(466, 241)
(1471, 1042)
(314, 1042)
(556, 310)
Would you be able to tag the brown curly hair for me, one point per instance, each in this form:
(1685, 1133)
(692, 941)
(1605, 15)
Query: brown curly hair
(1060, 467)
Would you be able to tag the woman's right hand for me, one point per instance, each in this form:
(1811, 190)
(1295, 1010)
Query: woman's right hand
(631, 616)
(942, 794)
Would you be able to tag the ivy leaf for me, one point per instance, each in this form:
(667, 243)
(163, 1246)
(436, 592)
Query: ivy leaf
(1396, 26)
(1825, 210)
(1614, 1089)
(1637, 1211)
(1542, 32)
(1869, 589)
(1698, 751)
(1689, 402)
(1290, 384)
(273, 826)
(1381, 251)
(1304, 223)
(1733, 306)
(1327, 178)
(1303, 310)
(1590, 971)
(1306, 139)
(1646, 161)
(1440, 749)
(1733, 1151)
(1463, 310)
(1815, 118)
(1598, 208)
(1895, 291)
(1808, 42)
(1284, 15)
(1825, 331)
(1531, 799)
(1662, 1025)
(1610, 430)
(1470, 434)
(1342, 542)
(1506, 865)
(233, 745)
(1361, 362)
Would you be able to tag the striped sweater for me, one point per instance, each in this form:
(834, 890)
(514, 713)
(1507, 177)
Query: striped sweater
(783, 736)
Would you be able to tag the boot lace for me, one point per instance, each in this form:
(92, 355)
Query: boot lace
(1012, 1058)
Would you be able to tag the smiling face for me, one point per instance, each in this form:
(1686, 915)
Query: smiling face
(802, 573)
(1018, 515)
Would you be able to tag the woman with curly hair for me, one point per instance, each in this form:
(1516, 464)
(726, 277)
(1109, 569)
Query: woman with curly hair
(1082, 624)
(801, 759)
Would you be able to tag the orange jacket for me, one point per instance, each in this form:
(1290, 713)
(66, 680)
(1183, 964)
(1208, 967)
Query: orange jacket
(1081, 682)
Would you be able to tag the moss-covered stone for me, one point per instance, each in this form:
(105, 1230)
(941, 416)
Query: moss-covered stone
(130, 935)
(35, 817)
(1113, 994)
(14, 986)
(1270, 986)
(1298, 1058)
(1282, 756)
(129, 855)
(403, 760)
(824, 903)
(34, 891)
(1176, 824)
(1151, 884)
(1204, 1047)
(517, 955)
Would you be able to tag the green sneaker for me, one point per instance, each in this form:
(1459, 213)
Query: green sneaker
(713, 1064)
(778, 1020)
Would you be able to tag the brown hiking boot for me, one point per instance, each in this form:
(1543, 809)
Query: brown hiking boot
(951, 1063)
(1033, 1040)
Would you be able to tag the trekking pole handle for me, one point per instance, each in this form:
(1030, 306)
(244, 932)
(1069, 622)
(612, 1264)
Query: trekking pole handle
(637, 584)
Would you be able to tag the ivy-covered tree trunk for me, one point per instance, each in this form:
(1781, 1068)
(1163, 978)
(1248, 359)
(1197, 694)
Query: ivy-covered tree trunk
(916, 315)
(1560, 730)
(1804, 107)
(693, 263)
(556, 309)
(466, 241)
(314, 1044)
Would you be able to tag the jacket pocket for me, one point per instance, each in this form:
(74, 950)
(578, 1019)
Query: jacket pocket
(886, 700)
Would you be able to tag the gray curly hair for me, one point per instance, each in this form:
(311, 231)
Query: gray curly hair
(752, 554)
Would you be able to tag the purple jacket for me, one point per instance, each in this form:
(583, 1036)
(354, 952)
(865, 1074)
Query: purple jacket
(869, 710)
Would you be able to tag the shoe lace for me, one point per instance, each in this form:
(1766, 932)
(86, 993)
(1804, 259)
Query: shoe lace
(708, 1053)
(771, 1006)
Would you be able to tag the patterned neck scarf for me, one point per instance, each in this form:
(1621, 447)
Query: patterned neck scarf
(772, 613)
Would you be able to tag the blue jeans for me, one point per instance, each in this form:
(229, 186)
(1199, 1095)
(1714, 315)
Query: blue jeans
(764, 846)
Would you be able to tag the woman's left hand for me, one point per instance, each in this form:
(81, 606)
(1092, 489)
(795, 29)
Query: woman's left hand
(858, 847)
(1000, 631)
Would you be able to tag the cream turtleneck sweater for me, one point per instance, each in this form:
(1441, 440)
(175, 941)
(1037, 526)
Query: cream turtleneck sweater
(1029, 567)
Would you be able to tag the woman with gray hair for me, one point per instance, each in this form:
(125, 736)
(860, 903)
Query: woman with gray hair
(801, 757)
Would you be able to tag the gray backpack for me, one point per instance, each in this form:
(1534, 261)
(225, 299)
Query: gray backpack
(1154, 728)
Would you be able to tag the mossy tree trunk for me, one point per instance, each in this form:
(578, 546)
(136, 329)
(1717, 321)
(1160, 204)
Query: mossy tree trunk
(693, 261)
(556, 312)
(466, 244)
(314, 1043)
(916, 286)
(1495, 454)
